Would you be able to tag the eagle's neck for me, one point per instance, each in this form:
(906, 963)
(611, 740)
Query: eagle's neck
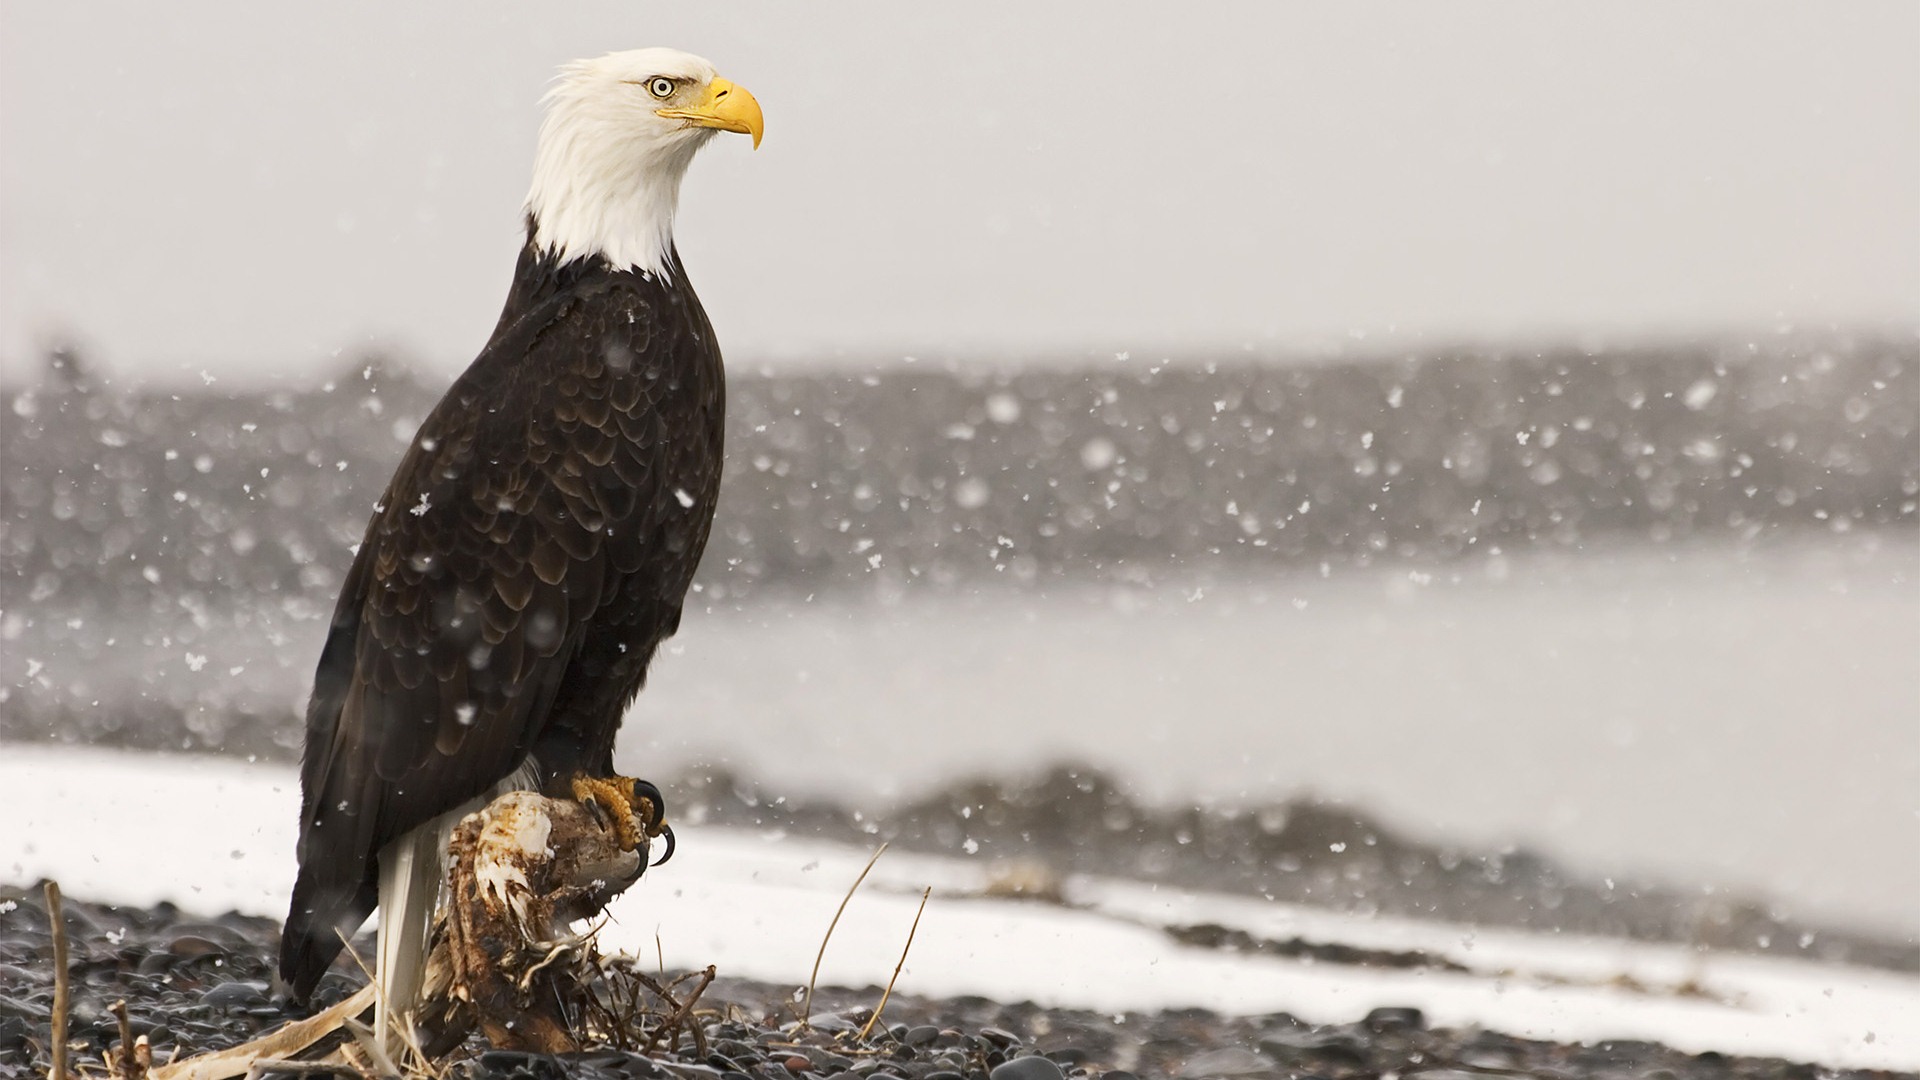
(600, 191)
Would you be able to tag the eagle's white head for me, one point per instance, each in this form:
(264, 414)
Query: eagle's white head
(619, 134)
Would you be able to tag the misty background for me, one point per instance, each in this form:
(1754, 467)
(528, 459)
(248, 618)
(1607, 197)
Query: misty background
(1454, 459)
(249, 190)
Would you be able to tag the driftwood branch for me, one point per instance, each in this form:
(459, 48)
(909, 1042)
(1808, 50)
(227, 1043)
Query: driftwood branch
(308, 1068)
(281, 1043)
(503, 959)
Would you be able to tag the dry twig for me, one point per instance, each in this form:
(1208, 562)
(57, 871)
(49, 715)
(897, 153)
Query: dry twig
(888, 992)
(315, 1068)
(57, 917)
(806, 1010)
(665, 993)
(125, 1065)
(673, 1023)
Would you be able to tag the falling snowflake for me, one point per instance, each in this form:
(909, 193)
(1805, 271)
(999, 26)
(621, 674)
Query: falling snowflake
(1098, 453)
(1003, 408)
(971, 493)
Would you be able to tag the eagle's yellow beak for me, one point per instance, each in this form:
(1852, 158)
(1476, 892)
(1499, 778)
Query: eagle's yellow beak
(727, 107)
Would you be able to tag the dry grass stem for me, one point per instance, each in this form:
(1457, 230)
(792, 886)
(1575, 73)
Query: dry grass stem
(806, 1010)
(417, 1058)
(57, 917)
(369, 1044)
(408, 1039)
(888, 992)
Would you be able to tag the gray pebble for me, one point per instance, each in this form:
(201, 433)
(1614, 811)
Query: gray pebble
(1229, 1061)
(832, 1022)
(233, 995)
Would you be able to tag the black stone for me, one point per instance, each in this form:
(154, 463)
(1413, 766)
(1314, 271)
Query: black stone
(235, 995)
(1032, 1067)
(619, 1063)
(1000, 1037)
(1394, 1018)
(519, 1065)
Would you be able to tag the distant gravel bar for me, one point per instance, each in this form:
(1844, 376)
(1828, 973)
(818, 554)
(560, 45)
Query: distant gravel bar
(918, 473)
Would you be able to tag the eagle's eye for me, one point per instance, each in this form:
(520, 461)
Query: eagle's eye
(660, 86)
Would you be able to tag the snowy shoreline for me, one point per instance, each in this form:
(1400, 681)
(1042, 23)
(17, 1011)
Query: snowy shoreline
(214, 836)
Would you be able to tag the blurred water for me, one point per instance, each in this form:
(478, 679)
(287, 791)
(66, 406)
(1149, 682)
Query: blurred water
(1739, 717)
(1746, 718)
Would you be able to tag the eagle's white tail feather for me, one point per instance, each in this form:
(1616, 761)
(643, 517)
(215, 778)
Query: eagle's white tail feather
(411, 869)
(413, 875)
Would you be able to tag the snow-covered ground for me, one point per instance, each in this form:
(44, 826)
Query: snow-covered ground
(213, 835)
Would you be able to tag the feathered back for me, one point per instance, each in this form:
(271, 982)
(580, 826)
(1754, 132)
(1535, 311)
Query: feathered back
(531, 551)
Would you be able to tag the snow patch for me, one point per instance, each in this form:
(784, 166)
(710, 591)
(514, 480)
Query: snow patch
(139, 828)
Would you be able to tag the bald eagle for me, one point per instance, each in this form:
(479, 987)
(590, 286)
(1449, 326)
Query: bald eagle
(537, 540)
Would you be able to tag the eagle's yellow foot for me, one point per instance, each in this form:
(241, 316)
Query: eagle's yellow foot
(634, 808)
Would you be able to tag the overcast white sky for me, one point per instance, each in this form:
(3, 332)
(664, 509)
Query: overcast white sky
(252, 188)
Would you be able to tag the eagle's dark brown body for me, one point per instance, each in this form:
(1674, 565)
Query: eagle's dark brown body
(532, 550)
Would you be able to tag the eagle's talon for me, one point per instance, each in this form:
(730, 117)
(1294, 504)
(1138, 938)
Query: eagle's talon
(644, 789)
(618, 802)
(657, 814)
(611, 806)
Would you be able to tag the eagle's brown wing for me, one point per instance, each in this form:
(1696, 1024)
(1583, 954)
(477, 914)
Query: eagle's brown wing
(523, 503)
